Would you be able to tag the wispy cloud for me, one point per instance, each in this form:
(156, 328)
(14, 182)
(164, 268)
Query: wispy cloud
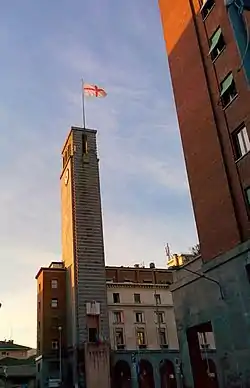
(144, 187)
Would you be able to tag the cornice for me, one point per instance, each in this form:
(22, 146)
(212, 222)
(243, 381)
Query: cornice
(137, 285)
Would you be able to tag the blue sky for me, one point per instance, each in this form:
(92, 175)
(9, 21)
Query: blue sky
(46, 48)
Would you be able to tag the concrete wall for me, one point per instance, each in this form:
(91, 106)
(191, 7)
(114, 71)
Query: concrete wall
(198, 300)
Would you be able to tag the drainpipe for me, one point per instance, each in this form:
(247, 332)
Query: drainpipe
(235, 10)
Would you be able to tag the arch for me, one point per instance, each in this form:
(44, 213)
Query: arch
(212, 372)
(121, 375)
(145, 374)
(167, 374)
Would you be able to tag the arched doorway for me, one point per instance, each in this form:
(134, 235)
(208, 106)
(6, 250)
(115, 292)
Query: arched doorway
(167, 374)
(145, 374)
(121, 375)
(211, 372)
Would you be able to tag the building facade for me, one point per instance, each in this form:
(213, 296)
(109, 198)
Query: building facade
(142, 327)
(209, 41)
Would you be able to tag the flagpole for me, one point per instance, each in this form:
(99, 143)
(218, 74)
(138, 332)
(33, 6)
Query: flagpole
(83, 107)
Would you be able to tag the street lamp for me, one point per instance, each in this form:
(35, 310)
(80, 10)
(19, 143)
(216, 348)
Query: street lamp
(60, 353)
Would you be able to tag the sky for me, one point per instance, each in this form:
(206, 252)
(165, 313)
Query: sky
(46, 48)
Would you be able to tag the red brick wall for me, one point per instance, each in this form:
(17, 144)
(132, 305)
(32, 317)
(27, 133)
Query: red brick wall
(215, 180)
(51, 318)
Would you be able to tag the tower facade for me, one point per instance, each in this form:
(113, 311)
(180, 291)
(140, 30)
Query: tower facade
(208, 52)
(83, 246)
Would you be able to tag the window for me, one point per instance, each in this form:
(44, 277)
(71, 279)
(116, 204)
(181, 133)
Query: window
(241, 142)
(227, 90)
(39, 305)
(39, 287)
(3, 353)
(54, 283)
(119, 339)
(206, 8)
(93, 335)
(139, 317)
(54, 303)
(247, 193)
(116, 297)
(141, 339)
(217, 44)
(118, 317)
(39, 324)
(163, 338)
(54, 345)
(160, 316)
(137, 298)
(84, 144)
(157, 298)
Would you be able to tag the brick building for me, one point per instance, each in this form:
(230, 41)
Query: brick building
(209, 58)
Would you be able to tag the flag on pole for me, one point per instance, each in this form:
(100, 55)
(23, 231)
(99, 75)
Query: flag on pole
(93, 91)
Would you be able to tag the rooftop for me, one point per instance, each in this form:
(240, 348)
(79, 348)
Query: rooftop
(9, 345)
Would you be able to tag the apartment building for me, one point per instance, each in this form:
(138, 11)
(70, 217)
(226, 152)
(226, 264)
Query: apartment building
(141, 324)
(141, 314)
(209, 57)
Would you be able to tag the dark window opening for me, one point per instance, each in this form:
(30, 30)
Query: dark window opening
(137, 298)
(84, 144)
(163, 338)
(116, 297)
(119, 339)
(247, 267)
(247, 194)
(206, 8)
(227, 90)
(157, 299)
(93, 334)
(217, 44)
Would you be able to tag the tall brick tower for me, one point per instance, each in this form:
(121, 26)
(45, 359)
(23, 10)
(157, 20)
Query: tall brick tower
(83, 255)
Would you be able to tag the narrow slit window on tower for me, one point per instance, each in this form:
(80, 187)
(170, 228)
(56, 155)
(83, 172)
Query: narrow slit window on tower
(217, 44)
(228, 90)
(206, 8)
(84, 144)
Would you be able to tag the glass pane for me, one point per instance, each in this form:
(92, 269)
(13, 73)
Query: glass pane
(246, 139)
(226, 83)
(215, 39)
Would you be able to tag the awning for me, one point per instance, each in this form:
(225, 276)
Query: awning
(215, 39)
(226, 84)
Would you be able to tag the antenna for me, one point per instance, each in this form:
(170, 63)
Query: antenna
(167, 251)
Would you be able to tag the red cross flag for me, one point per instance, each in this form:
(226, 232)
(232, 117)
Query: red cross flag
(93, 91)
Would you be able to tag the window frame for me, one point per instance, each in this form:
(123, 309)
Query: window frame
(237, 144)
(116, 314)
(139, 313)
(118, 297)
(247, 197)
(137, 296)
(53, 343)
(220, 38)
(53, 282)
(157, 298)
(223, 92)
(160, 314)
(160, 331)
(203, 7)
(119, 345)
(56, 304)
(141, 330)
